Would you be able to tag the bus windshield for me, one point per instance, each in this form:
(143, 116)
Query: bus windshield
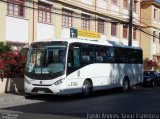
(46, 58)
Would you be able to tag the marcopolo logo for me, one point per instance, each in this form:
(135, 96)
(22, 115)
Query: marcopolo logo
(40, 82)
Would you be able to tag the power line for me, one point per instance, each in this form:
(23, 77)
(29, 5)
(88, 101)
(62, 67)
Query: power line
(30, 1)
(147, 26)
(130, 24)
(110, 21)
(144, 19)
(104, 8)
(146, 32)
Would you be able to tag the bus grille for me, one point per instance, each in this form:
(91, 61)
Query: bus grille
(46, 90)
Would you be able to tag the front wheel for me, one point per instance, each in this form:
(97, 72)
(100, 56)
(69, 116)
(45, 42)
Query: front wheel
(86, 88)
(125, 85)
(28, 96)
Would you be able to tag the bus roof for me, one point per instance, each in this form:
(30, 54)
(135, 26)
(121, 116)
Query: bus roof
(94, 42)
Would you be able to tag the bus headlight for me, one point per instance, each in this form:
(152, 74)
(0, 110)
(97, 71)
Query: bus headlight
(26, 81)
(58, 82)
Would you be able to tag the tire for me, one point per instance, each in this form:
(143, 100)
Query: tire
(125, 85)
(86, 88)
(28, 96)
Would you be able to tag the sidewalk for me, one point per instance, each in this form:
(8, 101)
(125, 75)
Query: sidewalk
(8, 97)
(9, 100)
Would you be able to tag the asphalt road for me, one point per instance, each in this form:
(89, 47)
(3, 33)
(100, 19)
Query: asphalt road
(114, 102)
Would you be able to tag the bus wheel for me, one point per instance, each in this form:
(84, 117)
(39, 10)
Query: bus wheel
(125, 86)
(86, 88)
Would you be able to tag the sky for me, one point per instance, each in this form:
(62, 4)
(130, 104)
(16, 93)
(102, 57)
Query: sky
(158, 0)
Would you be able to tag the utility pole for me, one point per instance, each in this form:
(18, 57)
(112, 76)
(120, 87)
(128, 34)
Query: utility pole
(130, 23)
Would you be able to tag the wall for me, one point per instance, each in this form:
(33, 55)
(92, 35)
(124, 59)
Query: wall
(11, 85)
(44, 31)
(3, 12)
(16, 29)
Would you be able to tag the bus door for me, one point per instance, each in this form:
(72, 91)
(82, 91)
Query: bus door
(73, 62)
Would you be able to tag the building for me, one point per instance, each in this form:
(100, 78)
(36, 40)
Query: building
(150, 35)
(25, 21)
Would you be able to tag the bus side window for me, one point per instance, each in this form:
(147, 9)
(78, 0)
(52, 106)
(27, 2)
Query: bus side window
(87, 55)
(76, 52)
(110, 54)
(101, 55)
(73, 57)
(73, 62)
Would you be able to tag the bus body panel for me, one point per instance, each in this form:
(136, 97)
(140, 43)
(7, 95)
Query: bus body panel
(107, 75)
(103, 75)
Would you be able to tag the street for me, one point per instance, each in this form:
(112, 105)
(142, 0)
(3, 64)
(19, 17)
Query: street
(139, 100)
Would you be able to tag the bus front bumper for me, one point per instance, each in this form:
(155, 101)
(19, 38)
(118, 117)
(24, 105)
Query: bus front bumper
(52, 89)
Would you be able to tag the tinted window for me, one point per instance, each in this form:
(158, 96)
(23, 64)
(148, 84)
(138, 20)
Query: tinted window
(110, 54)
(88, 54)
(73, 61)
(101, 54)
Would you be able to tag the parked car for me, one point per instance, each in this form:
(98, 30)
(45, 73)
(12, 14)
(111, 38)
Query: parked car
(151, 78)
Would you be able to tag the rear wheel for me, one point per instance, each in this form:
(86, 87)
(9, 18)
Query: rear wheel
(125, 85)
(86, 88)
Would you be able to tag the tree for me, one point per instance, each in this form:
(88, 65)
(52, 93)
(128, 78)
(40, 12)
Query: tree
(12, 63)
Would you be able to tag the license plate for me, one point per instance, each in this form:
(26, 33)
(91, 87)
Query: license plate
(40, 92)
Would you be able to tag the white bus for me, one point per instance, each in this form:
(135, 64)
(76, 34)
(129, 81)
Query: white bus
(81, 66)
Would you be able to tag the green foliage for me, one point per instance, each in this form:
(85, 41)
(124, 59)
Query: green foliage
(4, 47)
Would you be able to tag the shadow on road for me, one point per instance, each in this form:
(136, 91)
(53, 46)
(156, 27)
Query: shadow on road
(74, 97)
(64, 105)
(113, 101)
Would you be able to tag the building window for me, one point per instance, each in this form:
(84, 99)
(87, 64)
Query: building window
(85, 22)
(114, 2)
(154, 36)
(135, 5)
(125, 31)
(16, 8)
(67, 18)
(44, 12)
(100, 25)
(125, 4)
(113, 29)
(155, 13)
(134, 33)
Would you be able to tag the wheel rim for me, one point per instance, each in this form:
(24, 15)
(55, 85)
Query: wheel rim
(125, 85)
(86, 89)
